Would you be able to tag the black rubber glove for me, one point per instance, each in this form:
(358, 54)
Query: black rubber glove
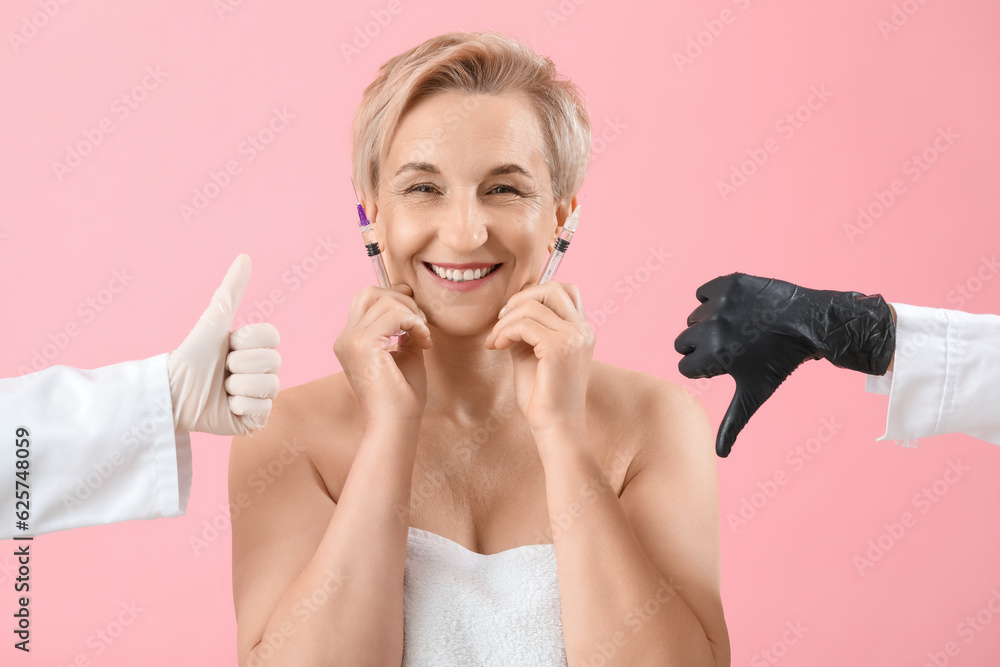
(759, 330)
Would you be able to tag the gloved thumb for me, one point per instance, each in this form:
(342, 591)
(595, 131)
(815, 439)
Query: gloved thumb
(744, 404)
(226, 300)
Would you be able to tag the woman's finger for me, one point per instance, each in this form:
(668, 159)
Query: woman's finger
(394, 320)
(370, 295)
(383, 306)
(553, 295)
(527, 330)
(528, 309)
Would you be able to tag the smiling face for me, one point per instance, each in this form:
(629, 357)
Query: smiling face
(465, 206)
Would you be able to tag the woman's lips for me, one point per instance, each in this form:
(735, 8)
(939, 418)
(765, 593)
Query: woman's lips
(465, 285)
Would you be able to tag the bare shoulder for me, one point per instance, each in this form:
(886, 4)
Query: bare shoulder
(328, 398)
(637, 397)
(311, 420)
(653, 412)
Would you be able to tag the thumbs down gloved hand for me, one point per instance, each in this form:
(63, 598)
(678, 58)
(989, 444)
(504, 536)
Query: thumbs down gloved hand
(222, 381)
(759, 330)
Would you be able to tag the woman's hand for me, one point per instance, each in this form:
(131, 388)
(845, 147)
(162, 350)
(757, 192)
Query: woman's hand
(552, 347)
(389, 386)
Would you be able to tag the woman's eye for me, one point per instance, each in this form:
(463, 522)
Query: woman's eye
(510, 190)
(427, 188)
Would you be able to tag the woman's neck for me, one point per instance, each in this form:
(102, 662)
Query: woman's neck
(465, 381)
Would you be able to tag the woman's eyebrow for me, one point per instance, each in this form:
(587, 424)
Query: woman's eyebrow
(509, 168)
(418, 166)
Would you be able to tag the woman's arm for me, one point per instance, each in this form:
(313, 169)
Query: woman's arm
(639, 576)
(317, 582)
(672, 504)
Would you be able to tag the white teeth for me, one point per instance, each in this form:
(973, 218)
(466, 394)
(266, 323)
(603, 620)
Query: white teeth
(459, 276)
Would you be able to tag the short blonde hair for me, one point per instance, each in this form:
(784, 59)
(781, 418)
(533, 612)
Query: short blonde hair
(473, 63)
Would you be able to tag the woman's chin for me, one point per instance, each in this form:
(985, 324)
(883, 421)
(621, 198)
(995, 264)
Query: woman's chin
(462, 322)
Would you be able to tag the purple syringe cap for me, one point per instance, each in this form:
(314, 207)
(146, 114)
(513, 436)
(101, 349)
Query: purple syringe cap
(362, 218)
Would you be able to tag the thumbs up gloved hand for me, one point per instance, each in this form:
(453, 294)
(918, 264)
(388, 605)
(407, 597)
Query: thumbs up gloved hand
(759, 330)
(222, 382)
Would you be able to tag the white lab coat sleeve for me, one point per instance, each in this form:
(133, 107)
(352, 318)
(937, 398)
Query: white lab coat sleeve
(945, 377)
(102, 447)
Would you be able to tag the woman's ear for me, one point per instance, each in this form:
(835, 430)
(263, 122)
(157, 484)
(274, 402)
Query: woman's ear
(371, 210)
(372, 215)
(564, 209)
(562, 212)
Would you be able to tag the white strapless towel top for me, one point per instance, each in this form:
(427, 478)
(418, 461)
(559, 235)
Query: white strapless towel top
(466, 609)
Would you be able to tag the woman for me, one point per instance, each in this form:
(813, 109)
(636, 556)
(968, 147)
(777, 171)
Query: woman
(413, 508)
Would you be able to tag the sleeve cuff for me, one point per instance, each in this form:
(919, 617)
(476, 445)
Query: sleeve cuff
(916, 388)
(171, 449)
(879, 384)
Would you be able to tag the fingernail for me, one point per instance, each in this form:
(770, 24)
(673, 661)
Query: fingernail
(502, 311)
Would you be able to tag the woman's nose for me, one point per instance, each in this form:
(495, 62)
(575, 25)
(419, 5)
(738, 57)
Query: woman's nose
(462, 227)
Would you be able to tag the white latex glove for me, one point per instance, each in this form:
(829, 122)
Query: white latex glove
(222, 382)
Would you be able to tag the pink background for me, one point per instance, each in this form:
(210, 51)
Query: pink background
(668, 134)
